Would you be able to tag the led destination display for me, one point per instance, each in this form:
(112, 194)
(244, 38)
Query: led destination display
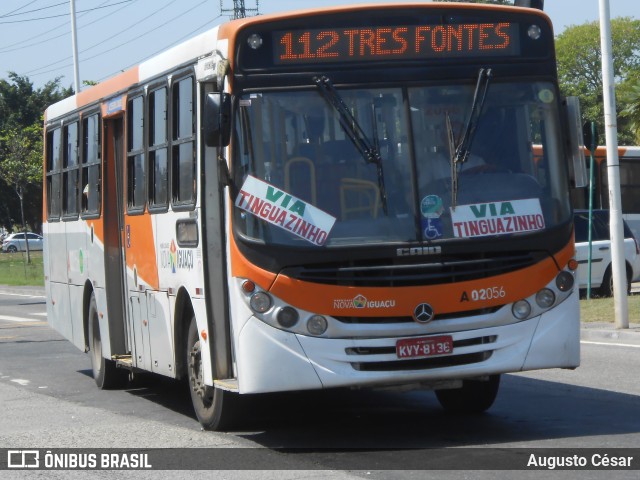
(396, 43)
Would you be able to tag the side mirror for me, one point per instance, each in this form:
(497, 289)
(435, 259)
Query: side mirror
(216, 120)
(577, 166)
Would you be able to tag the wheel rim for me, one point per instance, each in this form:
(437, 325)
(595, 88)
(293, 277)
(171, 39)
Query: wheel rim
(196, 378)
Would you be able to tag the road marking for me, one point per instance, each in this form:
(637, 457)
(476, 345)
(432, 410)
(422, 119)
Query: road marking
(19, 319)
(20, 381)
(610, 343)
(40, 314)
(21, 295)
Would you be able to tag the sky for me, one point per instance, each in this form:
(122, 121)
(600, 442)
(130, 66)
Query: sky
(113, 35)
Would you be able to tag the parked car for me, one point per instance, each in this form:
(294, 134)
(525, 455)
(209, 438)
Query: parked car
(601, 277)
(16, 242)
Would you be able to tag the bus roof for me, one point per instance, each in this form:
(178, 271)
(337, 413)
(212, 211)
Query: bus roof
(181, 54)
(207, 42)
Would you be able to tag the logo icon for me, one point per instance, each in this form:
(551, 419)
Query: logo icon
(423, 313)
(360, 301)
(23, 459)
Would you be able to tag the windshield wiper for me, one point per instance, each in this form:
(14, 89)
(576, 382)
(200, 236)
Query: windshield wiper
(368, 149)
(460, 153)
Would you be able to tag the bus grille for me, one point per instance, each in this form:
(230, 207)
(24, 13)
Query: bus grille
(398, 320)
(393, 272)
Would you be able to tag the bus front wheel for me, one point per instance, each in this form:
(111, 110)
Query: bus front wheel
(215, 408)
(105, 372)
(475, 396)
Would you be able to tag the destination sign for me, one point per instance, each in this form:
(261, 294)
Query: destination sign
(399, 42)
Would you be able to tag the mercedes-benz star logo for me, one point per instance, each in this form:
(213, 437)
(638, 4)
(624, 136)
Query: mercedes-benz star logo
(423, 313)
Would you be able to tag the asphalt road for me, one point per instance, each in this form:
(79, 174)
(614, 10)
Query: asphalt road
(49, 400)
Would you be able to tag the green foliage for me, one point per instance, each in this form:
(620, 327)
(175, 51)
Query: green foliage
(631, 109)
(15, 270)
(21, 109)
(580, 68)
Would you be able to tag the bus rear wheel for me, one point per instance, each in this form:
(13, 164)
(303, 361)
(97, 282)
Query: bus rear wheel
(475, 396)
(215, 408)
(105, 372)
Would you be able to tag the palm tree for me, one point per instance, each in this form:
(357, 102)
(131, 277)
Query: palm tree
(632, 110)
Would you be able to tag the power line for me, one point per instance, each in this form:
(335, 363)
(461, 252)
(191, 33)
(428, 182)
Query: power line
(12, 14)
(185, 36)
(7, 48)
(57, 69)
(65, 14)
(111, 34)
(19, 8)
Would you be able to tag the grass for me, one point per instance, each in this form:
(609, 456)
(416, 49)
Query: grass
(603, 309)
(15, 271)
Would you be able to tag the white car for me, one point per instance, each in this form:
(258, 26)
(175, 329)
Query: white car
(16, 242)
(601, 278)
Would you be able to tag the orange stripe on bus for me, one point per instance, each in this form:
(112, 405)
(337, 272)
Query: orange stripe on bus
(109, 87)
(400, 301)
(140, 248)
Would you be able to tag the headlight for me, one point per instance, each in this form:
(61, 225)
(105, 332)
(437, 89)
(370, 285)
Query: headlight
(317, 325)
(545, 298)
(521, 309)
(287, 317)
(564, 281)
(260, 302)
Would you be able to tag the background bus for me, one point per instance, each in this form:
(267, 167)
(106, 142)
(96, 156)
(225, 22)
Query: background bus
(340, 197)
(629, 158)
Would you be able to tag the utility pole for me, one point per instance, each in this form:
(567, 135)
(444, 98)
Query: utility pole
(74, 46)
(239, 10)
(618, 268)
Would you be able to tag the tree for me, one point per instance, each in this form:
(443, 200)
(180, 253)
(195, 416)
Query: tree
(22, 164)
(580, 68)
(631, 110)
(21, 108)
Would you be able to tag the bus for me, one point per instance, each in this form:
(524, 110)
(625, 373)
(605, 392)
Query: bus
(629, 160)
(342, 197)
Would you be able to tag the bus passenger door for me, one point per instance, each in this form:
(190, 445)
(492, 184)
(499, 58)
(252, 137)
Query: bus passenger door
(114, 261)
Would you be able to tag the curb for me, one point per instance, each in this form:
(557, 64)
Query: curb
(610, 334)
(23, 290)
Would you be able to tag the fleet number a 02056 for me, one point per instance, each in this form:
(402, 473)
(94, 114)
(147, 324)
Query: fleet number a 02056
(481, 294)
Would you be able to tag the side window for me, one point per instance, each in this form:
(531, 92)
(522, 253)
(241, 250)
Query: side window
(582, 228)
(54, 164)
(91, 163)
(600, 227)
(135, 155)
(158, 150)
(70, 170)
(183, 167)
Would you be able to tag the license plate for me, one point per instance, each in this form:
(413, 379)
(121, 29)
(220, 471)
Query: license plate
(424, 347)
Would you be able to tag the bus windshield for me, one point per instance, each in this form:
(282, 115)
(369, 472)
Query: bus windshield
(305, 181)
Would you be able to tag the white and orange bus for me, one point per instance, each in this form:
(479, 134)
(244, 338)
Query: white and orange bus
(629, 161)
(335, 197)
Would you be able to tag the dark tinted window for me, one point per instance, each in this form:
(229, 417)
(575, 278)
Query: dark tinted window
(601, 229)
(158, 150)
(91, 156)
(135, 155)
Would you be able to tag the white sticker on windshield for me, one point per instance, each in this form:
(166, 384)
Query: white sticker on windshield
(278, 208)
(497, 218)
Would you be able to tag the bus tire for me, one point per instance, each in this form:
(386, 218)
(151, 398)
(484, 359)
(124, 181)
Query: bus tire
(214, 408)
(475, 396)
(105, 372)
